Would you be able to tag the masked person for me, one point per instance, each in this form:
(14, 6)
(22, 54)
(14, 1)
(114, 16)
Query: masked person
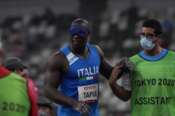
(152, 77)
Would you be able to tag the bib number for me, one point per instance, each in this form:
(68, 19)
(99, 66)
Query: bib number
(88, 93)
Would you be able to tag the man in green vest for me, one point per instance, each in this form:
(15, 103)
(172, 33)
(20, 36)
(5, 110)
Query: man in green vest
(14, 99)
(16, 65)
(152, 77)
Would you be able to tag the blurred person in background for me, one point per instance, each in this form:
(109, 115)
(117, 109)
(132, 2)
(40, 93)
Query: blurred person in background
(75, 69)
(16, 65)
(14, 38)
(152, 75)
(14, 98)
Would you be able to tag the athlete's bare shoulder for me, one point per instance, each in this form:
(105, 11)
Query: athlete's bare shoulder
(58, 62)
(100, 51)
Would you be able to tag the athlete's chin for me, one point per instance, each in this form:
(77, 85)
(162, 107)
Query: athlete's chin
(78, 48)
(76, 45)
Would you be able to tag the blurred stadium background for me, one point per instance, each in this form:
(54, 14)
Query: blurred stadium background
(34, 29)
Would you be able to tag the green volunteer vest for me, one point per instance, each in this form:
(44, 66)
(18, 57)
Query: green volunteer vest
(14, 99)
(153, 86)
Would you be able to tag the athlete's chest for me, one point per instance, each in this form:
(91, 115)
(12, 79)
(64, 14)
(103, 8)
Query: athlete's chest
(85, 69)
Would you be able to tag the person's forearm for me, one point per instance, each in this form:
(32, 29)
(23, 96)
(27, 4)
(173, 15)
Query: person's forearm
(120, 92)
(59, 98)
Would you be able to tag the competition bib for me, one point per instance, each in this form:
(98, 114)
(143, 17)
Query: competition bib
(88, 93)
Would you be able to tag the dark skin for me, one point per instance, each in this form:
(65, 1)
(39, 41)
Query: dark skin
(58, 65)
(120, 91)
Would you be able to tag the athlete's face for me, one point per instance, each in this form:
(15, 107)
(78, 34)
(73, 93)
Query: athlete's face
(78, 42)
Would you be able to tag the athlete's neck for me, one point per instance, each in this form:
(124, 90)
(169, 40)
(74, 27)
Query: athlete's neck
(154, 51)
(83, 52)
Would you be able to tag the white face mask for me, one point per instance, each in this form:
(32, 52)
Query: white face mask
(146, 43)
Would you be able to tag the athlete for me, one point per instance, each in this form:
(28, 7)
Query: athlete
(16, 65)
(152, 76)
(75, 69)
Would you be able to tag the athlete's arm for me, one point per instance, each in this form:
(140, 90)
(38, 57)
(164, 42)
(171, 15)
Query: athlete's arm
(113, 74)
(105, 67)
(56, 66)
(118, 90)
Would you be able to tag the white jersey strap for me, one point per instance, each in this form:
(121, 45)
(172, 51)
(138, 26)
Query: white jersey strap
(71, 58)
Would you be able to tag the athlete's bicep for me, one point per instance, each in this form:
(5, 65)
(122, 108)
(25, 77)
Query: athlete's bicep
(105, 67)
(55, 68)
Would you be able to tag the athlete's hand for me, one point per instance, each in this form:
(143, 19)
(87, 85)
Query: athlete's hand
(83, 108)
(115, 73)
(126, 66)
(123, 67)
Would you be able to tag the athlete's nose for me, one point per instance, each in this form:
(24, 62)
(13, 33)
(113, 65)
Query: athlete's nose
(76, 37)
